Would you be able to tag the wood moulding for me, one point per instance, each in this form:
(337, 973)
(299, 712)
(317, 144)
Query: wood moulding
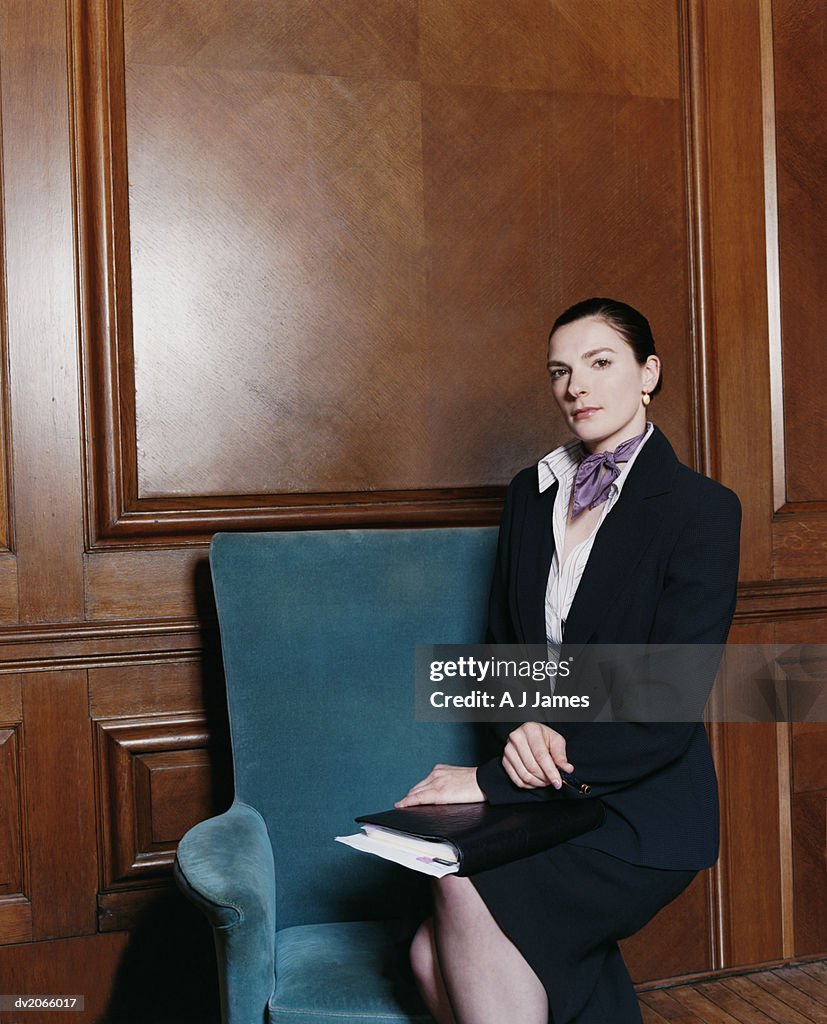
(116, 515)
(93, 644)
(6, 539)
(784, 599)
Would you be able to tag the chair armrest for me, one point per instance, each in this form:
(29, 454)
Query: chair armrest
(225, 866)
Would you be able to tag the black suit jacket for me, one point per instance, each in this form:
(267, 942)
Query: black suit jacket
(663, 570)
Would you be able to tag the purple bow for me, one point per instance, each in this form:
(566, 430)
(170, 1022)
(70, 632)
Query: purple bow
(596, 474)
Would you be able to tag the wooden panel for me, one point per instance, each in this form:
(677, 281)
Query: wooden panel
(800, 542)
(751, 898)
(163, 584)
(114, 506)
(809, 809)
(173, 792)
(141, 689)
(355, 147)
(801, 533)
(492, 305)
(15, 907)
(611, 47)
(810, 854)
(366, 227)
(8, 589)
(164, 971)
(488, 297)
(171, 944)
(637, 247)
(11, 699)
(810, 756)
(15, 921)
(62, 850)
(5, 465)
(322, 37)
(343, 266)
(801, 770)
(11, 815)
(677, 940)
(738, 366)
(130, 754)
(84, 966)
(42, 344)
(801, 145)
(123, 909)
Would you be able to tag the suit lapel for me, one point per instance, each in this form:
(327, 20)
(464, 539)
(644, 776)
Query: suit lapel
(535, 554)
(624, 536)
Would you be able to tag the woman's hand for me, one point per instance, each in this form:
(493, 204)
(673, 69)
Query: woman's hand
(445, 784)
(534, 756)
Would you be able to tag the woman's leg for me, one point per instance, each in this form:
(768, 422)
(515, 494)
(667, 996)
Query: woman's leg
(425, 964)
(485, 976)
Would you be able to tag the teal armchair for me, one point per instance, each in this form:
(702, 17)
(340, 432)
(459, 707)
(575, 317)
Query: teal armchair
(318, 633)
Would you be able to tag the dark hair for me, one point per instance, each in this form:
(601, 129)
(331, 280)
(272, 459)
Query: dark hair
(631, 325)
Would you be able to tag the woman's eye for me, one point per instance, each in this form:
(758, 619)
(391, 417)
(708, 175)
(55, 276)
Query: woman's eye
(602, 362)
(557, 373)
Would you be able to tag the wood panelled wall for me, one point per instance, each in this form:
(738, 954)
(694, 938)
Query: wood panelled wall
(292, 264)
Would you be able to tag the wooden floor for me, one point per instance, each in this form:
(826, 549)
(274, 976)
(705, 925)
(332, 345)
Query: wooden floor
(787, 995)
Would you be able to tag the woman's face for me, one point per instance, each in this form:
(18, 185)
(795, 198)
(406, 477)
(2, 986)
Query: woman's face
(598, 383)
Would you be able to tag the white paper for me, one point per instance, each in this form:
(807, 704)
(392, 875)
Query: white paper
(407, 858)
(414, 844)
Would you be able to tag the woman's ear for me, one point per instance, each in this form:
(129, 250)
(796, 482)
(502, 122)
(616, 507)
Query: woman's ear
(651, 372)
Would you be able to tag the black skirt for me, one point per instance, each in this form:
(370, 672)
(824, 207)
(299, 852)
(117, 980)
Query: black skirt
(565, 910)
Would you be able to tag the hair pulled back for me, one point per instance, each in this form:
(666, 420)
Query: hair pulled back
(630, 324)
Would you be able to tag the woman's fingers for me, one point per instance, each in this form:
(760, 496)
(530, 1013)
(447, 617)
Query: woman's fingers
(524, 769)
(518, 774)
(557, 749)
(534, 756)
(445, 784)
(531, 745)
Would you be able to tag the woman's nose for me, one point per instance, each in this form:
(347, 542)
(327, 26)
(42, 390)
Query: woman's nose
(577, 388)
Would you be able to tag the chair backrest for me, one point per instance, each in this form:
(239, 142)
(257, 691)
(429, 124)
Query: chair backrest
(318, 635)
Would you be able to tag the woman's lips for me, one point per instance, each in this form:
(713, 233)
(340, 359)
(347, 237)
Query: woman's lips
(584, 414)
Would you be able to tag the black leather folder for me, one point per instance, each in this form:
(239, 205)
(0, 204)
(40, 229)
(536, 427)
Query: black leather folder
(486, 837)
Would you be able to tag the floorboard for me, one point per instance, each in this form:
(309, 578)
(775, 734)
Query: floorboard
(787, 995)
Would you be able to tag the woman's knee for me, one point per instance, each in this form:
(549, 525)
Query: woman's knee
(422, 952)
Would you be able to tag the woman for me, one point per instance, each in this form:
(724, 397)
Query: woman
(609, 540)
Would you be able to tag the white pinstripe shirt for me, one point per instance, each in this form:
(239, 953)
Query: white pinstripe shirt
(561, 466)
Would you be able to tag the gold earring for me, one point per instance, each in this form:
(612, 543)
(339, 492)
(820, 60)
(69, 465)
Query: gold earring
(646, 399)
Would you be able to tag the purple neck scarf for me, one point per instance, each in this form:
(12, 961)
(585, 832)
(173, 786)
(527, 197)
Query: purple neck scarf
(596, 474)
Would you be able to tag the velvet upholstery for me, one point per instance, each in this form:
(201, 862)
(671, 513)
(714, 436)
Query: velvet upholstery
(318, 634)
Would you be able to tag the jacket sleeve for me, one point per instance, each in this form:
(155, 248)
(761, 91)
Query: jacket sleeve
(695, 607)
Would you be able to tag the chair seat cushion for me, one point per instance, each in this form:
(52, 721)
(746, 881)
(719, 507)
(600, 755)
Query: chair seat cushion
(350, 972)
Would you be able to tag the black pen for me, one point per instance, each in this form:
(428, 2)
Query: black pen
(574, 783)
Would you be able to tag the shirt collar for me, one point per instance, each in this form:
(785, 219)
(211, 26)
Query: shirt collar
(559, 464)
